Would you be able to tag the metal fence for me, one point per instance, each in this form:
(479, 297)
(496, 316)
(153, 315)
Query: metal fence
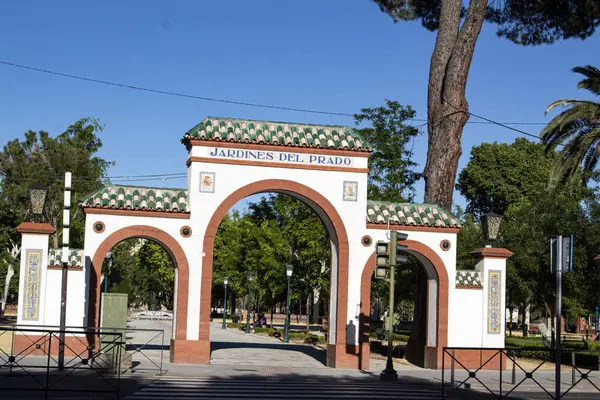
(513, 375)
(29, 361)
(95, 358)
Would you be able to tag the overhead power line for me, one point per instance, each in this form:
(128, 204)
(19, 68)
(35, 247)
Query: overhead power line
(236, 102)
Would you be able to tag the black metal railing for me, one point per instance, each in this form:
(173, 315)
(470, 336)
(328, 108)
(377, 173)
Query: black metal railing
(143, 349)
(29, 360)
(492, 361)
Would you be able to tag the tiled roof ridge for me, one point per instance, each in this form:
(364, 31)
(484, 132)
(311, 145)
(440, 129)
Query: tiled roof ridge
(408, 214)
(275, 122)
(286, 134)
(124, 197)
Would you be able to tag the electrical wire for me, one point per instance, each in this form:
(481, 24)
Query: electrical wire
(235, 102)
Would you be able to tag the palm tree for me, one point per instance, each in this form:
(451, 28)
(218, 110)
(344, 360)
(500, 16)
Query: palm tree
(577, 129)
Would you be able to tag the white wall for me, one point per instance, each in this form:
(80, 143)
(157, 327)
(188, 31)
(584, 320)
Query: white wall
(466, 312)
(229, 178)
(191, 246)
(75, 294)
(431, 240)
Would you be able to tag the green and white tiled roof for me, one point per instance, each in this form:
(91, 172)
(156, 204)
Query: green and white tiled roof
(138, 198)
(277, 133)
(75, 257)
(410, 214)
(468, 278)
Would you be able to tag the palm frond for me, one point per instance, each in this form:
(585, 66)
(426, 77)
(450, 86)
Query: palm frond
(570, 158)
(588, 71)
(566, 124)
(592, 78)
(578, 129)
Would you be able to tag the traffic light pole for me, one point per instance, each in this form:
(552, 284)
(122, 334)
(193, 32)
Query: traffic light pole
(389, 373)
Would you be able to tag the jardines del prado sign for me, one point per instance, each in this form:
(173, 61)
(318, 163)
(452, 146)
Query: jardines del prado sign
(324, 166)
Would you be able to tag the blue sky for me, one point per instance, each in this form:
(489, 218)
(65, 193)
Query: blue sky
(334, 55)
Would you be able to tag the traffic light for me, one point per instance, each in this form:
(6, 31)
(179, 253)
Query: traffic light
(401, 248)
(387, 255)
(381, 260)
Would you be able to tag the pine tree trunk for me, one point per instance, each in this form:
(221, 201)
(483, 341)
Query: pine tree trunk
(415, 349)
(447, 107)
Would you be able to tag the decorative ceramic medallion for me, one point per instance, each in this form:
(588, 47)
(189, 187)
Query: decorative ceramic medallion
(494, 300)
(32, 285)
(366, 240)
(99, 227)
(445, 245)
(350, 191)
(185, 231)
(207, 182)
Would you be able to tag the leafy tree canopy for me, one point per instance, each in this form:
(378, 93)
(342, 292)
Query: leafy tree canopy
(39, 158)
(525, 22)
(391, 168)
(501, 174)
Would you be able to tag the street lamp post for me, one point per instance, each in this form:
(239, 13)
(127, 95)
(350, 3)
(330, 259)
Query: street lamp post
(250, 277)
(225, 282)
(491, 226)
(288, 271)
(109, 267)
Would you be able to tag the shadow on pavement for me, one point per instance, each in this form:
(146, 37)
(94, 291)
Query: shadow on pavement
(265, 383)
(311, 351)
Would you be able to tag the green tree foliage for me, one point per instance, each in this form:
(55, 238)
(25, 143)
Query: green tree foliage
(458, 24)
(39, 158)
(501, 174)
(277, 230)
(121, 271)
(513, 179)
(155, 276)
(578, 129)
(470, 237)
(391, 168)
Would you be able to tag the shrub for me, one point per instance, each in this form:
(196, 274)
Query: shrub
(268, 331)
(308, 338)
(236, 325)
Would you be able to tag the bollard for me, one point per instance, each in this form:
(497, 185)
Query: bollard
(513, 379)
(573, 368)
(452, 368)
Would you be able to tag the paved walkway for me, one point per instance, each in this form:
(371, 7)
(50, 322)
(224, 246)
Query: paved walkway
(232, 346)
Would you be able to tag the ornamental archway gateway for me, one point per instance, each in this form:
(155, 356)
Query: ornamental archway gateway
(323, 166)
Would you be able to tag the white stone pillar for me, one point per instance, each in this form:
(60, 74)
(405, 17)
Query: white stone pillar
(32, 272)
(491, 264)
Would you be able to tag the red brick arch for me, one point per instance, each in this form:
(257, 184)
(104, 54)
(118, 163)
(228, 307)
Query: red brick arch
(433, 355)
(169, 244)
(337, 355)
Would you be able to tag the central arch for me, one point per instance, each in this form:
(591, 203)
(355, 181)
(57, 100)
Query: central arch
(436, 271)
(336, 351)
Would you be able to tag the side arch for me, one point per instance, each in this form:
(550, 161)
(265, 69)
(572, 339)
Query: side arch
(169, 244)
(338, 355)
(433, 354)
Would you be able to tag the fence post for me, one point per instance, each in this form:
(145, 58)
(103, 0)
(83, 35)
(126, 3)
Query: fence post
(162, 351)
(500, 368)
(443, 372)
(513, 379)
(452, 368)
(573, 368)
